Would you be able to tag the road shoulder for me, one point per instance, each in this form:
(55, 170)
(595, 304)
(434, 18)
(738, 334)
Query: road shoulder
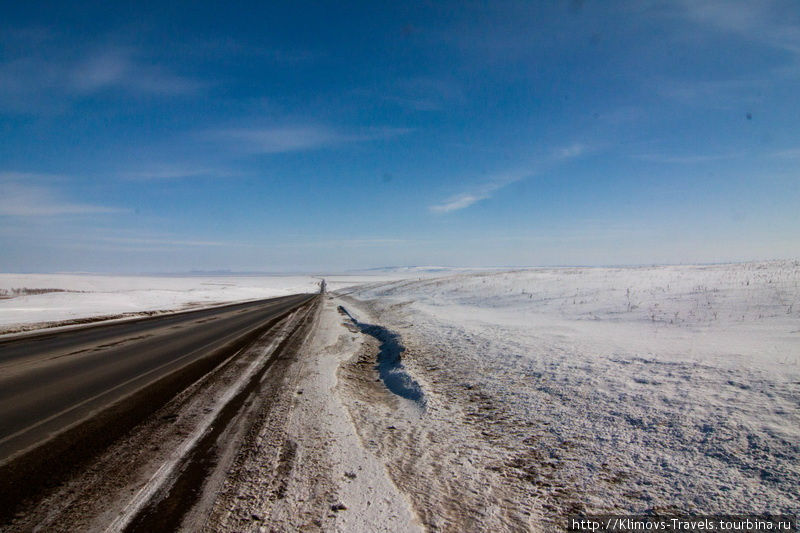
(307, 467)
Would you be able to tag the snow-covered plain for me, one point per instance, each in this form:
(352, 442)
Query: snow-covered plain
(547, 391)
(33, 300)
(670, 388)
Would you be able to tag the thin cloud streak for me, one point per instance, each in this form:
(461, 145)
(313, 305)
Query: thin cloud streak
(348, 243)
(459, 201)
(792, 153)
(282, 139)
(43, 74)
(763, 22)
(20, 199)
(684, 159)
(176, 172)
(118, 68)
(570, 152)
(469, 198)
(158, 244)
(164, 242)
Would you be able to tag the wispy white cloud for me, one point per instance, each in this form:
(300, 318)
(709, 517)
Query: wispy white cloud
(284, 139)
(346, 243)
(791, 153)
(469, 198)
(571, 151)
(280, 139)
(39, 73)
(155, 242)
(722, 94)
(765, 22)
(769, 23)
(688, 159)
(485, 190)
(228, 46)
(120, 69)
(165, 242)
(459, 201)
(23, 195)
(176, 172)
(420, 94)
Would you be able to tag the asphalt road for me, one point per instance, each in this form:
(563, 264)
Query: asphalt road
(53, 380)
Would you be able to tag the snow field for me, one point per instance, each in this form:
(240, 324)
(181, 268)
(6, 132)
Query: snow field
(618, 389)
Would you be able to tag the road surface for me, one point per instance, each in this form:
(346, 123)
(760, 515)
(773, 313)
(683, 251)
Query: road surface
(51, 381)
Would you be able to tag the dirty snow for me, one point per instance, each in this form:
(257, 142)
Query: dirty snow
(307, 469)
(594, 389)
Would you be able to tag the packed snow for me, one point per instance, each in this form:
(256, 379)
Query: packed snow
(670, 388)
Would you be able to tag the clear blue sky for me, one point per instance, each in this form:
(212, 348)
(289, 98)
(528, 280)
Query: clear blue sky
(335, 135)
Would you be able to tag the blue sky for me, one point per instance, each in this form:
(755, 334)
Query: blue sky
(331, 136)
